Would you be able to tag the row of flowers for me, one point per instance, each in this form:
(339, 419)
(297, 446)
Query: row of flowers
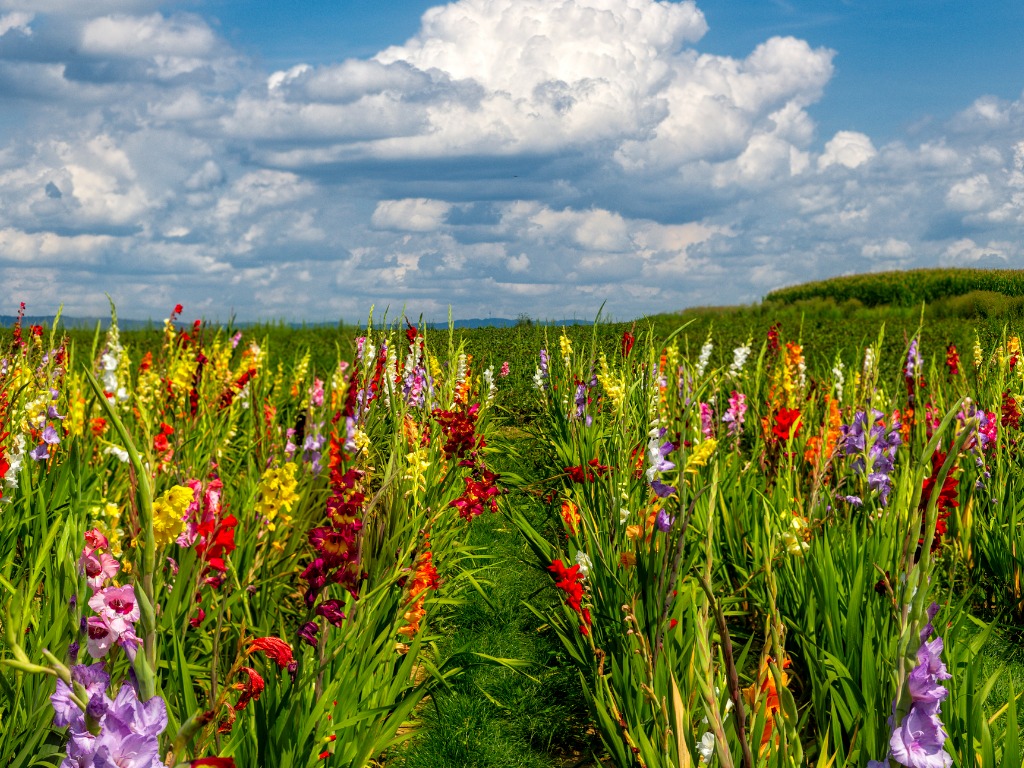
(224, 508)
(705, 513)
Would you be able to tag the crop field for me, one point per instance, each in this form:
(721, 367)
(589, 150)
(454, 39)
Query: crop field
(784, 535)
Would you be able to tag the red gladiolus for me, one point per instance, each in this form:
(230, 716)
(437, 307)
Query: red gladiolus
(1010, 411)
(952, 360)
(627, 343)
(787, 423)
(458, 428)
(481, 489)
(773, 338)
(587, 473)
(251, 688)
(568, 580)
(214, 762)
(276, 649)
(947, 496)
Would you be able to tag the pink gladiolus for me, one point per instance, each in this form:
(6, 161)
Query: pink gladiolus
(98, 567)
(99, 637)
(117, 606)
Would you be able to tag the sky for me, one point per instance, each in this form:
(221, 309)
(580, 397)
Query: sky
(305, 161)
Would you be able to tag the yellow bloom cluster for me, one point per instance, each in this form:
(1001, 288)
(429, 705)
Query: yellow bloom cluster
(700, 456)
(612, 384)
(169, 513)
(566, 346)
(299, 378)
(416, 473)
(277, 494)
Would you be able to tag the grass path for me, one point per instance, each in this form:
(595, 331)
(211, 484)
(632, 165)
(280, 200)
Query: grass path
(494, 717)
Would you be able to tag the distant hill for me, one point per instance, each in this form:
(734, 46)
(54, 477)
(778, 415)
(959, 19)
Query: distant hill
(905, 288)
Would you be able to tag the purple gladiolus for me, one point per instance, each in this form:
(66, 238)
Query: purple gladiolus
(128, 729)
(664, 521)
(879, 443)
(95, 679)
(914, 362)
(661, 490)
(39, 453)
(50, 436)
(919, 740)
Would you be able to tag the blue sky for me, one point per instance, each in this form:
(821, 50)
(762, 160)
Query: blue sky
(499, 156)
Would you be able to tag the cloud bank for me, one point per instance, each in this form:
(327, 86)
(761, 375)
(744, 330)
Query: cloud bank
(538, 156)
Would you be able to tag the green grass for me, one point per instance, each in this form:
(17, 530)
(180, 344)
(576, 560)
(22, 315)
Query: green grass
(493, 717)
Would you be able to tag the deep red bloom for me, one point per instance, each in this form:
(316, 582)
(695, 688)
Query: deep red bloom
(214, 762)
(481, 489)
(587, 473)
(331, 610)
(773, 338)
(276, 649)
(251, 688)
(458, 428)
(627, 343)
(1010, 411)
(309, 632)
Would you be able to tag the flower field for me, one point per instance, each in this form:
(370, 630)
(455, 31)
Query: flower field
(217, 552)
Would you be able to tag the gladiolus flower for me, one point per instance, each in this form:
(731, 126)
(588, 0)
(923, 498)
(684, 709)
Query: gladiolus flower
(276, 649)
(251, 688)
(331, 610)
(309, 632)
(118, 606)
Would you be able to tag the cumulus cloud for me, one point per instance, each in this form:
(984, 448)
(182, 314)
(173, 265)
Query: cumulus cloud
(849, 149)
(410, 215)
(17, 21)
(513, 155)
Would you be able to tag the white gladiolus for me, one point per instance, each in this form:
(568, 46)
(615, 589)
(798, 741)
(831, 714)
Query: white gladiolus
(739, 359)
(705, 357)
(584, 562)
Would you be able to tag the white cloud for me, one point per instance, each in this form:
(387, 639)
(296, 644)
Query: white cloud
(147, 36)
(410, 215)
(849, 149)
(48, 248)
(519, 263)
(967, 253)
(888, 250)
(970, 194)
